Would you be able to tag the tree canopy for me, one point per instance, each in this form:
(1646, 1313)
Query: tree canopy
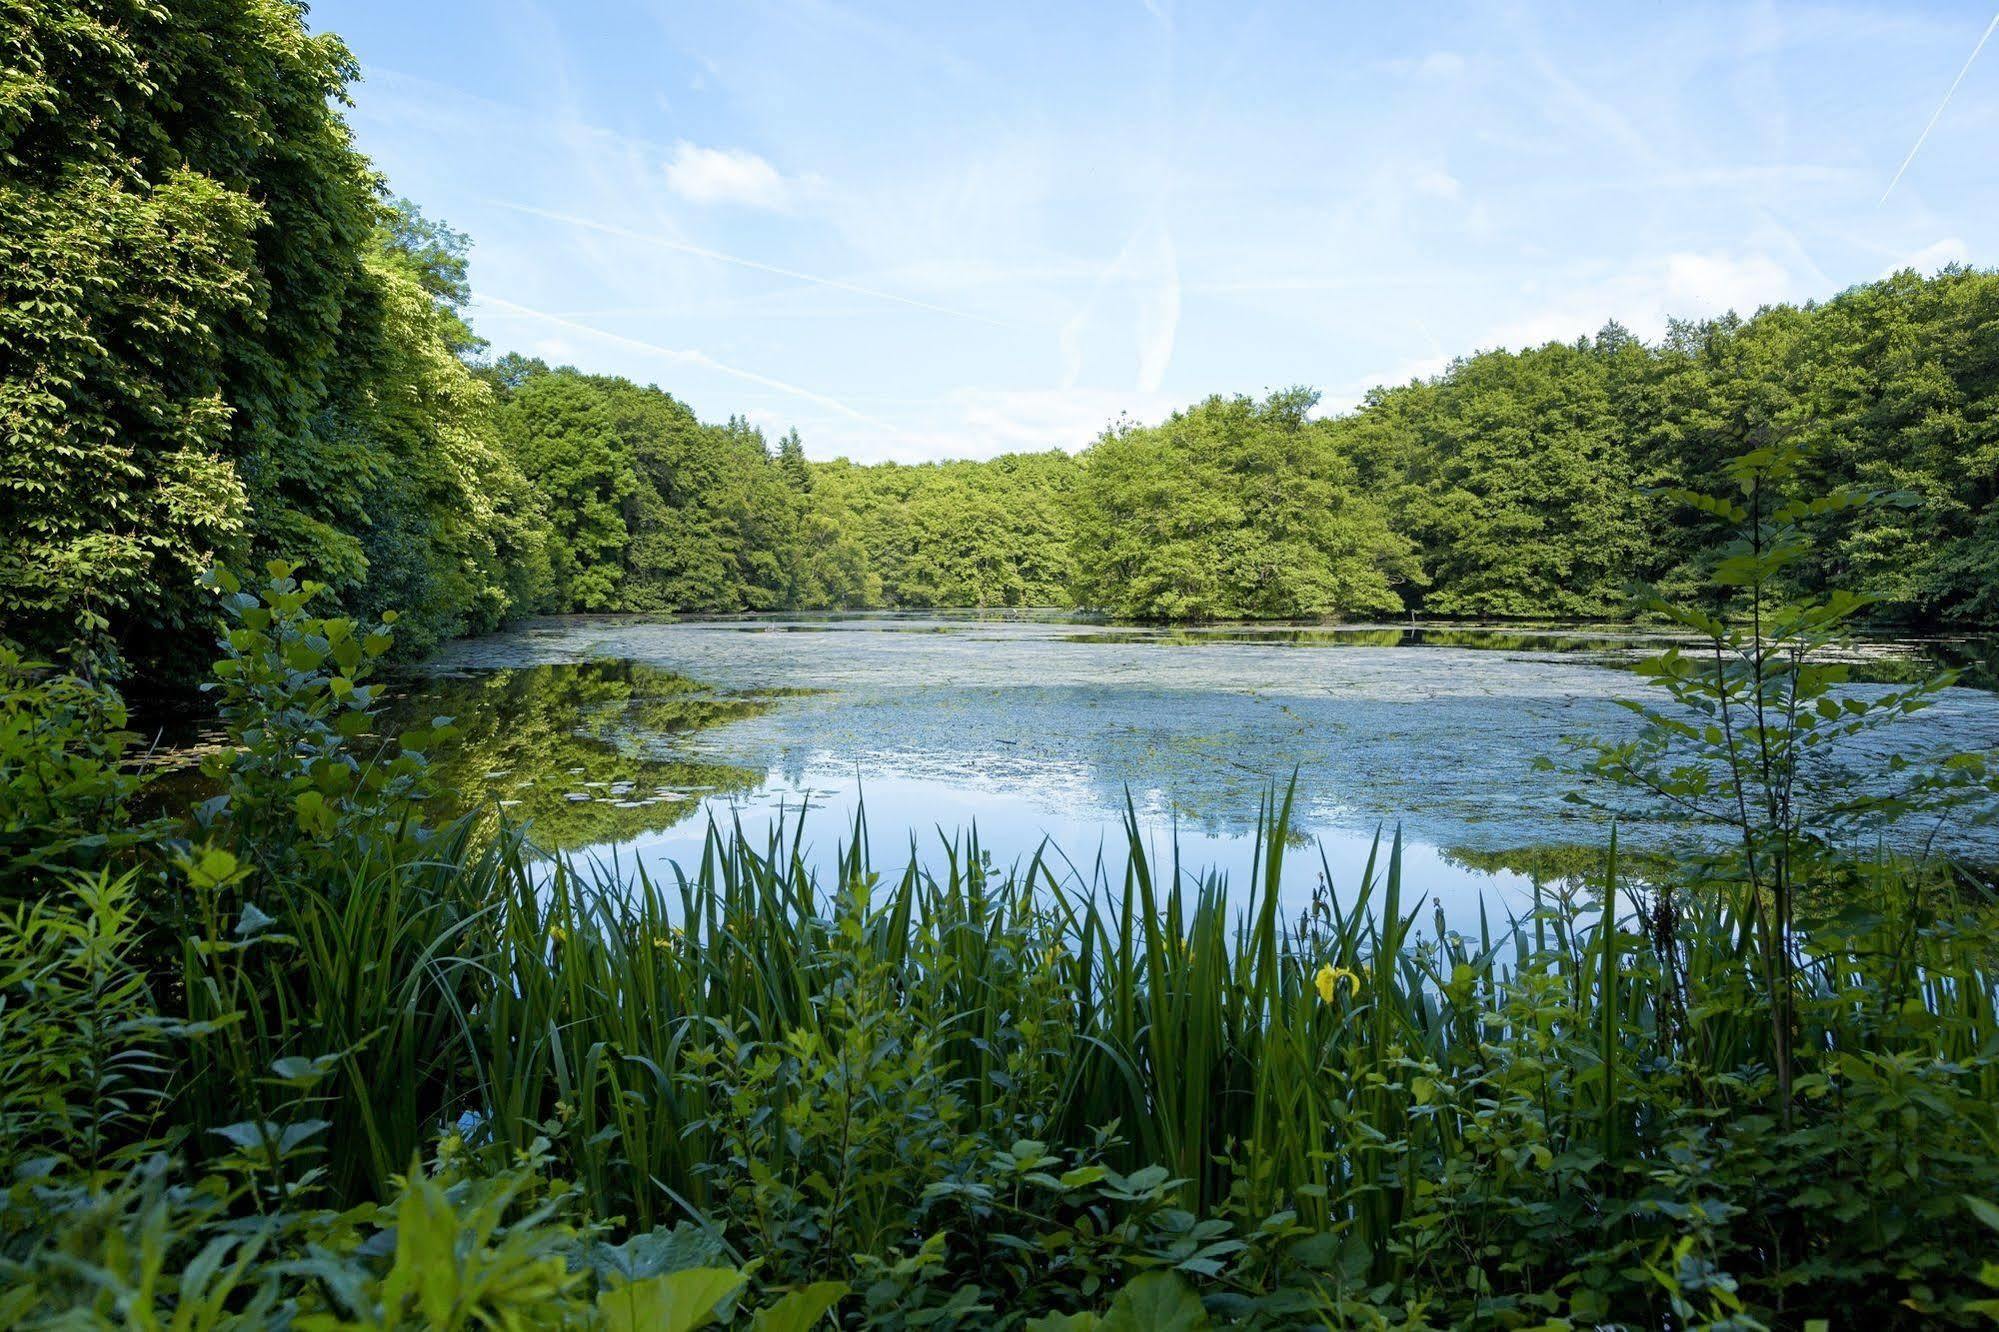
(1234, 509)
(222, 340)
(218, 341)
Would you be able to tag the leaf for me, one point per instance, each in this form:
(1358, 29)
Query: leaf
(1143, 1180)
(801, 1310)
(253, 1136)
(1984, 1211)
(1156, 1302)
(301, 1072)
(676, 1302)
(1081, 1176)
(295, 1134)
(654, 1253)
(246, 1134)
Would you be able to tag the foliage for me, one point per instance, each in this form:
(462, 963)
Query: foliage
(66, 799)
(218, 340)
(1512, 470)
(987, 534)
(306, 772)
(1513, 474)
(561, 752)
(1233, 509)
(1756, 716)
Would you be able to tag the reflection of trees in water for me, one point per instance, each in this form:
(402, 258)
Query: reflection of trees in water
(1881, 660)
(1559, 865)
(570, 748)
(1236, 813)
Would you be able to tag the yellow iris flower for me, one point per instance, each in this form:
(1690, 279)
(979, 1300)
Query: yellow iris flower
(1328, 981)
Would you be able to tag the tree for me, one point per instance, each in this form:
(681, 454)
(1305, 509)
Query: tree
(216, 341)
(563, 438)
(1525, 502)
(1232, 509)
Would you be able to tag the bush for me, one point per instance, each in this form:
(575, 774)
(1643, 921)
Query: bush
(65, 796)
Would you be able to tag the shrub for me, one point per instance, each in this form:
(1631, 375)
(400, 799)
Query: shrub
(65, 796)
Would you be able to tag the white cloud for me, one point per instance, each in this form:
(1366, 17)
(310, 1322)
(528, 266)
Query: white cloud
(1949, 250)
(1435, 65)
(1343, 398)
(739, 261)
(1712, 283)
(490, 305)
(1143, 284)
(1159, 319)
(1433, 183)
(1016, 420)
(1686, 284)
(726, 176)
(772, 423)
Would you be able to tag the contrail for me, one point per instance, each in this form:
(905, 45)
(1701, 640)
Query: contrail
(1989, 28)
(668, 243)
(690, 357)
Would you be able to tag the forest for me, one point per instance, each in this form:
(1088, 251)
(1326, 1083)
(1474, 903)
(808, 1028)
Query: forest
(222, 339)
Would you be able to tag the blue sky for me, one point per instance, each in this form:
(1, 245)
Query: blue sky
(949, 229)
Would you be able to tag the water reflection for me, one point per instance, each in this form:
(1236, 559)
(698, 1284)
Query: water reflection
(1880, 659)
(576, 751)
(625, 736)
(915, 821)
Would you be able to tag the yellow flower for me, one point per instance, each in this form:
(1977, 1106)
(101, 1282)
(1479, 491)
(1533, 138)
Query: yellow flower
(564, 1111)
(557, 933)
(662, 943)
(1329, 978)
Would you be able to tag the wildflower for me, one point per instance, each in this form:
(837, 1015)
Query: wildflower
(449, 1146)
(1329, 978)
(661, 942)
(564, 1111)
(557, 933)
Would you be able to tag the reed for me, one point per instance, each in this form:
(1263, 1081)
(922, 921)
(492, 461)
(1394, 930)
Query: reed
(1341, 1067)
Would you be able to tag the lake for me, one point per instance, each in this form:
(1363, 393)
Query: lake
(618, 739)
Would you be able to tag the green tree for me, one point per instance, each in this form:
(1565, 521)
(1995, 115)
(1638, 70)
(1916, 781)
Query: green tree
(1234, 508)
(1523, 500)
(215, 338)
(563, 437)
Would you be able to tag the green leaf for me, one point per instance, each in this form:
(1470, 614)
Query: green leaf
(676, 1302)
(801, 1310)
(212, 869)
(1157, 1302)
(654, 1253)
(1983, 1210)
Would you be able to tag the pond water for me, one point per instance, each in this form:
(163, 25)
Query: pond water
(619, 739)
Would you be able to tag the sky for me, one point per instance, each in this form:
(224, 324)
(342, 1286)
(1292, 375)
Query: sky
(928, 230)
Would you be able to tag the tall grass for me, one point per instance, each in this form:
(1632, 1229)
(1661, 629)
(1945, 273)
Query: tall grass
(1433, 1100)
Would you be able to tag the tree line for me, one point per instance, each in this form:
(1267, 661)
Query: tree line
(222, 339)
